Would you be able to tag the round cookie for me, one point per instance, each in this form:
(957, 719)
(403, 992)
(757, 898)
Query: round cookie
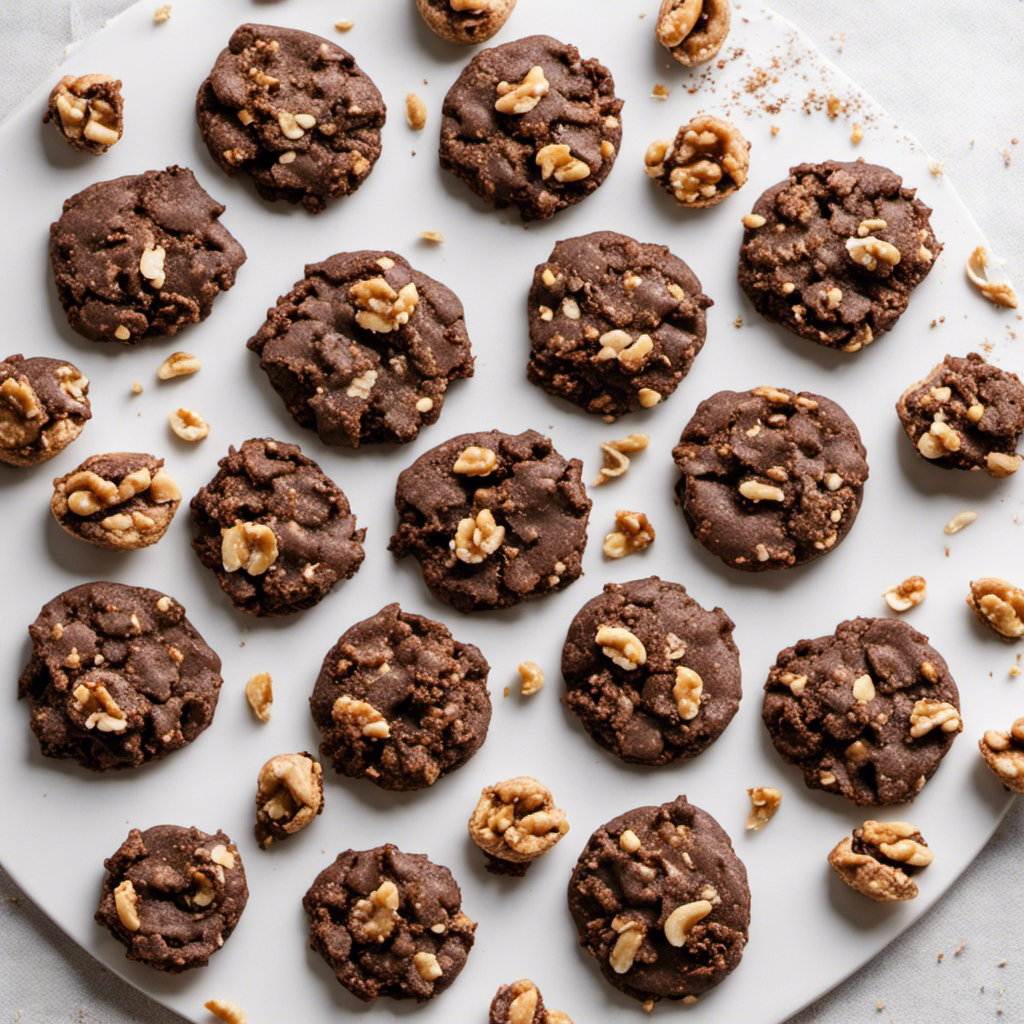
(173, 895)
(117, 677)
(121, 500)
(966, 414)
(294, 112)
(400, 702)
(661, 902)
(275, 530)
(493, 519)
(389, 923)
(770, 478)
(537, 140)
(141, 256)
(834, 252)
(363, 348)
(615, 324)
(868, 712)
(44, 405)
(651, 675)
(465, 21)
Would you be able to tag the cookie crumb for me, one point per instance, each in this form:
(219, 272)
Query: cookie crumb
(259, 692)
(136, 388)
(162, 14)
(659, 91)
(857, 133)
(1000, 293)
(738, 322)
(415, 112)
(764, 802)
(879, 1006)
(774, 129)
(433, 237)
(959, 522)
(230, 1013)
(936, 168)
(531, 677)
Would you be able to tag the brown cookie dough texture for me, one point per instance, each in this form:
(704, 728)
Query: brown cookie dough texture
(615, 324)
(289, 796)
(294, 112)
(771, 478)
(522, 1003)
(966, 414)
(867, 713)
(172, 895)
(274, 529)
(141, 256)
(121, 500)
(533, 125)
(661, 902)
(1003, 754)
(693, 31)
(117, 677)
(834, 252)
(44, 404)
(493, 519)
(88, 111)
(400, 702)
(389, 923)
(465, 21)
(880, 859)
(363, 348)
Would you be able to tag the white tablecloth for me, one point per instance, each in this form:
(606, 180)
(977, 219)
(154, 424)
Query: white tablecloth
(948, 70)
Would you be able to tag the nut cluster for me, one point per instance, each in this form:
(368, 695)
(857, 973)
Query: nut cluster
(477, 537)
(248, 546)
(360, 715)
(523, 96)
(631, 353)
(1003, 752)
(556, 159)
(879, 858)
(382, 309)
(517, 821)
(633, 532)
(289, 795)
(87, 110)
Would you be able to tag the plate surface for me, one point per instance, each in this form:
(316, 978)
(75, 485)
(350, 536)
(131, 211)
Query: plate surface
(807, 932)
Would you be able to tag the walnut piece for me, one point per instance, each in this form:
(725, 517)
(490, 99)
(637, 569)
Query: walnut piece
(531, 678)
(681, 921)
(620, 645)
(178, 364)
(878, 860)
(189, 425)
(88, 111)
(693, 31)
(259, 692)
(870, 251)
(522, 97)
(557, 159)
(708, 161)
(151, 265)
(289, 795)
(475, 461)
(999, 604)
(477, 537)
(382, 309)
(627, 945)
(102, 713)
(1000, 293)
(687, 692)
(373, 919)
(517, 820)
(415, 112)
(959, 522)
(126, 903)
(633, 533)
(225, 1010)
(248, 546)
(616, 456)
(927, 715)
(1003, 752)
(361, 715)
(764, 802)
(632, 353)
(906, 595)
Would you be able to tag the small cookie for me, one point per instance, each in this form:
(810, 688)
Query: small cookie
(966, 414)
(389, 924)
(141, 256)
(363, 348)
(122, 500)
(834, 252)
(518, 1003)
(88, 111)
(533, 125)
(289, 796)
(693, 31)
(868, 712)
(275, 530)
(615, 324)
(465, 21)
(44, 404)
(651, 675)
(118, 677)
(493, 519)
(770, 478)
(400, 702)
(294, 112)
(661, 902)
(880, 859)
(173, 896)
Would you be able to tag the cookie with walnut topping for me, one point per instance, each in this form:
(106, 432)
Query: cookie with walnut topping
(615, 324)
(465, 21)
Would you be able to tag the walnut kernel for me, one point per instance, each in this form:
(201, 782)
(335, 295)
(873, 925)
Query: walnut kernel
(259, 693)
(289, 795)
(621, 646)
(999, 605)
(764, 802)
(633, 532)
(517, 820)
(477, 537)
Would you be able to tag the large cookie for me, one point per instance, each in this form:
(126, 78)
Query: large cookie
(835, 251)
(363, 348)
(389, 923)
(400, 702)
(141, 256)
(294, 112)
(493, 519)
(533, 125)
(118, 676)
(661, 902)
(274, 529)
(868, 712)
(615, 324)
(172, 895)
(770, 478)
(652, 676)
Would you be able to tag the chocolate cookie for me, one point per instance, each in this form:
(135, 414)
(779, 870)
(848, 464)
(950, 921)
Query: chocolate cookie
(389, 923)
(966, 414)
(173, 895)
(661, 902)
(400, 702)
(122, 500)
(531, 124)
(519, 1003)
(493, 519)
(44, 405)
(868, 712)
(615, 324)
(274, 529)
(118, 676)
(770, 478)
(88, 111)
(141, 256)
(363, 348)
(834, 252)
(294, 112)
(652, 676)
(465, 21)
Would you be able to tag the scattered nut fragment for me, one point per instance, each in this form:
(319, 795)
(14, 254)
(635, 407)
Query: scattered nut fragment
(681, 921)
(362, 716)
(248, 546)
(633, 533)
(223, 1009)
(259, 692)
(178, 364)
(764, 802)
(477, 537)
(344, 25)
(901, 597)
(1003, 752)
(878, 860)
(531, 677)
(162, 14)
(289, 795)
(189, 425)
(522, 97)
(1000, 465)
(87, 111)
(126, 903)
(382, 309)
(998, 604)
(415, 112)
(557, 159)
(927, 715)
(620, 645)
(693, 31)
(433, 237)
(616, 456)
(959, 522)
(1000, 293)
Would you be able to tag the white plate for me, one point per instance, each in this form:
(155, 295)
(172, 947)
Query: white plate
(808, 932)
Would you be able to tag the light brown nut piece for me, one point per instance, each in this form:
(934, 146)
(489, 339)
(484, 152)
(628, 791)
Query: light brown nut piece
(901, 597)
(428, 967)
(1003, 752)
(289, 795)
(358, 712)
(764, 803)
(465, 22)
(959, 522)
(475, 461)
(373, 919)
(516, 821)
(633, 532)
(878, 860)
(631, 937)
(556, 160)
(126, 903)
(88, 111)
(624, 648)
(531, 677)
(225, 1010)
(615, 455)
(382, 309)
(188, 425)
(259, 693)
(693, 31)
(687, 692)
(477, 537)
(248, 546)
(415, 112)
(178, 364)
(522, 97)
(927, 715)
(1000, 293)
(998, 604)
(681, 921)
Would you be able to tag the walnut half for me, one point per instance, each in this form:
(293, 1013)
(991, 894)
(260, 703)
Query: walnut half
(999, 605)
(879, 859)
